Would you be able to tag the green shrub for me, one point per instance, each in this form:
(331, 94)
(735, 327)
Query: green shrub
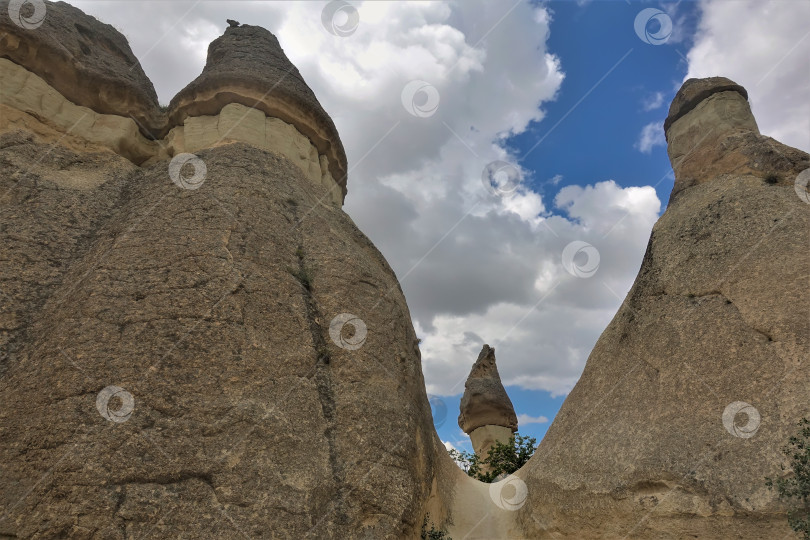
(433, 533)
(502, 458)
(795, 488)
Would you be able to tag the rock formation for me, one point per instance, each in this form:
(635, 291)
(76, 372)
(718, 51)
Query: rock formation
(487, 414)
(179, 361)
(647, 444)
(236, 359)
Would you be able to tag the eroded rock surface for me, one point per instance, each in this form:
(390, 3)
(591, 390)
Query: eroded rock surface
(242, 407)
(246, 65)
(485, 401)
(88, 62)
(718, 314)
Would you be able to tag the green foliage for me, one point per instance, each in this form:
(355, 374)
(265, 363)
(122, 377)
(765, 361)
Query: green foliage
(795, 488)
(433, 533)
(502, 458)
(303, 275)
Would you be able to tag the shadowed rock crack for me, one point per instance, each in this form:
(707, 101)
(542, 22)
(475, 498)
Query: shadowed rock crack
(323, 380)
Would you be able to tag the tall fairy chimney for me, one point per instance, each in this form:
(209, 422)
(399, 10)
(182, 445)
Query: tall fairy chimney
(487, 414)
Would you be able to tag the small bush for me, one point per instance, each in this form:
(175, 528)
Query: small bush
(795, 488)
(433, 533)
(303, 275)
(772, 179)
(502, 459)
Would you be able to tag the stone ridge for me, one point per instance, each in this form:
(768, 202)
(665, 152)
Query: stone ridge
(90, 83)
(87, 61)
(247, 65)
(485, 401)
(693, 91)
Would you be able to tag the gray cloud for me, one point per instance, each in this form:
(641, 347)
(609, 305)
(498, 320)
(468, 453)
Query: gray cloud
(474, 268)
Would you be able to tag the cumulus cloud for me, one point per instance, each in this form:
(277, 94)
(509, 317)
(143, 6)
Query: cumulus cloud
(651, 135)
(524, 419)
(763, 45)
(475, 266)
(653, 101)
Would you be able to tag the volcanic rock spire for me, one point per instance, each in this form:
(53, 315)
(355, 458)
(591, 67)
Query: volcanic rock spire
(701, 376)
(487, 413)
(247, 66)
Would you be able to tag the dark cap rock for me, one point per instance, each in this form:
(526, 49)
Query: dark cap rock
(693, 91)
(247, 65)
(87, 61)
(485, 401)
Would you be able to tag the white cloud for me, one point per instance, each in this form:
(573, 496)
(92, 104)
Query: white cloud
(653, 101)
(651, 135)
(524, 419)
(473, 267)
(763, 45)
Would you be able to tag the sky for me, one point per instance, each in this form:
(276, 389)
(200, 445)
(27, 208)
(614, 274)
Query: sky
(507, 158)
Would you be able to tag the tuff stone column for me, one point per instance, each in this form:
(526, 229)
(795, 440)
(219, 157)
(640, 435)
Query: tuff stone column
(487, 414)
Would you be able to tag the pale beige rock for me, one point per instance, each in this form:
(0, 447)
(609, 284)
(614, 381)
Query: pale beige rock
(27, 92)
(236, 122)
(484, 437)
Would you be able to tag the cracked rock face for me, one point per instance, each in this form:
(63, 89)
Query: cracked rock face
(169, 359)
(485, 401)
(719, 314)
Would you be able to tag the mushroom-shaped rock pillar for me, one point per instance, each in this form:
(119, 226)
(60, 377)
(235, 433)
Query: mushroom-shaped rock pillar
(250, 92)
(487, 414)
